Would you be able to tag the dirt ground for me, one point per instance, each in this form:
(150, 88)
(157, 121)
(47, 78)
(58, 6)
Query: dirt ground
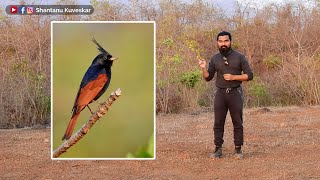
(283, 143)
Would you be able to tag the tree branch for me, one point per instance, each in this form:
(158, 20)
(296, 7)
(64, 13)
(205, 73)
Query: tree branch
(102, 109)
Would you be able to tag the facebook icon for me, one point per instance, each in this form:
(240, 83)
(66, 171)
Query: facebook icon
(22, 9)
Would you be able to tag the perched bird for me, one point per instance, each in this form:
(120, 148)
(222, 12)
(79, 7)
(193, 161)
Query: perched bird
(94, 83)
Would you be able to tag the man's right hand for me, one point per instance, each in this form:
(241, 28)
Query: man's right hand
(202, 63)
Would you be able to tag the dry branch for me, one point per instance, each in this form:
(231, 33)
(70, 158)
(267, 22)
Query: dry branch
(102, 109)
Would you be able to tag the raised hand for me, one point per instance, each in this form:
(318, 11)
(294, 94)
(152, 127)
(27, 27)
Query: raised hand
(202, 63)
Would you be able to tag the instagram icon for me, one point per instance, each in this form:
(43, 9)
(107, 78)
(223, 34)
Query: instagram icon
(29, 10)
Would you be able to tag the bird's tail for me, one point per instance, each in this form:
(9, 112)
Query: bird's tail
(99, 47)
(70, 127)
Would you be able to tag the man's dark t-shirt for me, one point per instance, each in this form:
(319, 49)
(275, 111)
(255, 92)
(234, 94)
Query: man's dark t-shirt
(237, 65)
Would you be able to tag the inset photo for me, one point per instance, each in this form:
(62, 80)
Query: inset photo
(103, 95)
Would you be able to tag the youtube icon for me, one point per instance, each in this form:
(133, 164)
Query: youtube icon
(13, 9)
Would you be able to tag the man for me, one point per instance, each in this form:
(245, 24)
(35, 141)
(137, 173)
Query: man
(231, 68)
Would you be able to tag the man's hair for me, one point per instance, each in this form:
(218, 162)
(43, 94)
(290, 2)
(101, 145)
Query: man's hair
(223, 33)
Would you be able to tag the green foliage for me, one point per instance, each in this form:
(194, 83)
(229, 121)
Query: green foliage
(258, 89)
(258, 93)
(212, 33)
(202, 102)
(161, 83)
(192, 44)
(190, 79)
(176, 59)
(145, 151)
(94, 3)
(235, 44)
(168, 41)
(33, 93)
(195, 47)
(272, 61)
(19, 67)
(42, 99)
(105, 3)
(159, 67)
(45, 103)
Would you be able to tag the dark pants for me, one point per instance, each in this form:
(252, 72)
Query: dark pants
(231, 100)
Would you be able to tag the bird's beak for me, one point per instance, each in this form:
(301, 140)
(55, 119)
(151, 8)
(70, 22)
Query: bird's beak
(113, 58)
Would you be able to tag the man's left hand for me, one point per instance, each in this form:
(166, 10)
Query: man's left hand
(228, 77)
(231, 77)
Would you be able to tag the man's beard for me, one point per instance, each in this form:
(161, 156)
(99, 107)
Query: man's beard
(225, 51)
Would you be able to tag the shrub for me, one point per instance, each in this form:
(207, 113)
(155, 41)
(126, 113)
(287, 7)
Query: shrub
(190, 79)
(272, 61)
(258, 94)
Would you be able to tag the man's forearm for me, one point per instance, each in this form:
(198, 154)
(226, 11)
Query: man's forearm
(205, 73)
(242, 77)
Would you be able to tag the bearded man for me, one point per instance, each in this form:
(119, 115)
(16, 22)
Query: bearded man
(231, 68)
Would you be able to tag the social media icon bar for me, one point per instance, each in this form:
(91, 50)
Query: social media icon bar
(49, 9)
(20, 10)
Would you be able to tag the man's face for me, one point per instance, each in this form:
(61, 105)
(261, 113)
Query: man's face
(224, 44)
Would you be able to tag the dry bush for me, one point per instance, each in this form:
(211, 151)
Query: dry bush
(184, 31)
(279, 41)
(282, 45)
(298, 84)
(25, 72)
(25, 68)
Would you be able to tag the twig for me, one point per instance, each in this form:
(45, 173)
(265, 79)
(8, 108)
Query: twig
(102, 109)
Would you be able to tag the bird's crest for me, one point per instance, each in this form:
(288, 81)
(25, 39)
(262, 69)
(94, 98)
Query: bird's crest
(99, 47)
